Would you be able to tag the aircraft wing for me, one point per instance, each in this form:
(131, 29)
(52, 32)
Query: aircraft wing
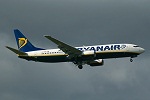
(71, 51)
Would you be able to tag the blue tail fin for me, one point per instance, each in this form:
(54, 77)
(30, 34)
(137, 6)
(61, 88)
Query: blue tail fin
(23, 43)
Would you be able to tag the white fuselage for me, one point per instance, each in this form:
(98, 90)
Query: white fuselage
(87, 50)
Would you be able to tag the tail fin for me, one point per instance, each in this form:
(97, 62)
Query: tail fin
(23, 43)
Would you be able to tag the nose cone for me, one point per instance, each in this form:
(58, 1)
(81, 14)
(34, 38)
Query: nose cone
(142, 50)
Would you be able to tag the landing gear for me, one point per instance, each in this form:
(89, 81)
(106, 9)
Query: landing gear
(131, 60)
(80, 66)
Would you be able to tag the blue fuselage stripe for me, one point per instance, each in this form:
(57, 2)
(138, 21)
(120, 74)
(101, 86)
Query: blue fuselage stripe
(63, 58)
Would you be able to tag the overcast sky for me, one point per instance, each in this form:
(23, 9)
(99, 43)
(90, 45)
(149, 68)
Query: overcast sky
(77, 23)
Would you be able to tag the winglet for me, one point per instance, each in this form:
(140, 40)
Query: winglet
(16, 51)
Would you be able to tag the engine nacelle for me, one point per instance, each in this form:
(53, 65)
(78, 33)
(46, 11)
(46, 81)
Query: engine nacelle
(88, 52)
(97, 62)
(88, 55)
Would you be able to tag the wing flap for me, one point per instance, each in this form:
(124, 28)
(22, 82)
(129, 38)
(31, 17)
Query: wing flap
(16, 51)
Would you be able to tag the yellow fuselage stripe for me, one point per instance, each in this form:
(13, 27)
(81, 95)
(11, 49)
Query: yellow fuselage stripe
(83, 54)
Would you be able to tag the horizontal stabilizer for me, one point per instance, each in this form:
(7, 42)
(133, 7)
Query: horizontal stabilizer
(16, 51)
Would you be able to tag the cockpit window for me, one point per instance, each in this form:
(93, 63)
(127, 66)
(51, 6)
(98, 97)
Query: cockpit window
(136, 46)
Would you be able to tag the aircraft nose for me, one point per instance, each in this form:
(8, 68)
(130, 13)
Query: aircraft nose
(142, 50)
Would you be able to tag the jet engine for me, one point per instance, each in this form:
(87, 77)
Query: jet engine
(88, 55)
(97, 62)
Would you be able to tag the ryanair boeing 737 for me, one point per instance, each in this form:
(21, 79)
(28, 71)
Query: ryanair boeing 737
(90, 55)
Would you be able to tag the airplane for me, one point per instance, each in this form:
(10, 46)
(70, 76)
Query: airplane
(90, 55)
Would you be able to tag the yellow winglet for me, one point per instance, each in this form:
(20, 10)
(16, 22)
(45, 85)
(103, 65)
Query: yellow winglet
(16, 51)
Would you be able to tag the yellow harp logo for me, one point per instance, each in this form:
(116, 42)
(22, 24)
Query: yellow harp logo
(22, 42)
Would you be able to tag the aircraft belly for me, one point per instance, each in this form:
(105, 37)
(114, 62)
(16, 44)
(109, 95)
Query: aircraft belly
(46, 58)
(52, 59)
(114, 55)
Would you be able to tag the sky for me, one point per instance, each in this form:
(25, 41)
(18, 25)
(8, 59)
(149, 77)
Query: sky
(77, 23)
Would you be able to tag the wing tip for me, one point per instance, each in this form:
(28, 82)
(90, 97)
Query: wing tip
(7, 47)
